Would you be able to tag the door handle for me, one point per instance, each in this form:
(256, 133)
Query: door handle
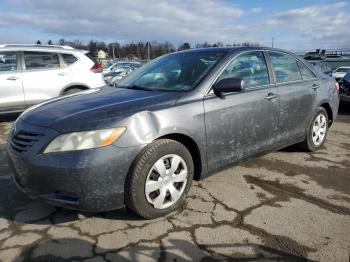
(13, 78)
(315, 86)
(271, 96)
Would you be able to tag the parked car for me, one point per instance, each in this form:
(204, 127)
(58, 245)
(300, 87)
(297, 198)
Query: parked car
(115, 79)
(344, 85)
(340, 72)
(30, 74)
(322, 66)
(118, 73)
(180, 117)
(118, 66)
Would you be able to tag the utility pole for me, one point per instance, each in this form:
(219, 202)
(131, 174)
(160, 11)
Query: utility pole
(113, 51)
(148, 51)
(272, 41)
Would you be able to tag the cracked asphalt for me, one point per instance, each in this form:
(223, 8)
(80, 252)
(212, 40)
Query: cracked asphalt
(284, 206)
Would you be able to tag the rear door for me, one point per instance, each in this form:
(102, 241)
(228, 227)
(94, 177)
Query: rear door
(297, 88)
(44, 76)
(241, 124)
(11, 89)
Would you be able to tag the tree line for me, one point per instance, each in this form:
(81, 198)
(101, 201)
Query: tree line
(139, 50)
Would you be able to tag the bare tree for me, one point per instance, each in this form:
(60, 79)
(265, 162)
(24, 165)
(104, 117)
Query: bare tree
(62, 41)
(141, 50)
(184, 46)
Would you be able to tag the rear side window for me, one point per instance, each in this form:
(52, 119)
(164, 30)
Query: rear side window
(69, 59)
(250, 67)
(41, 60)
(326, 66)
(305, 72)
(92, 57)
(285, 67)
(8, 61)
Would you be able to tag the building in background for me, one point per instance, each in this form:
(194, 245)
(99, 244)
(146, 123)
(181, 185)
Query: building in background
(101, 54)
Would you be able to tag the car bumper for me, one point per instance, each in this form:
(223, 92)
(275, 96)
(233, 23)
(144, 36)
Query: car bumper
(89, 180)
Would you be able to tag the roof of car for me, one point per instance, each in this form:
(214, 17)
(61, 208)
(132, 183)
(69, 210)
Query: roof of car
(233, 49)
(26, 47)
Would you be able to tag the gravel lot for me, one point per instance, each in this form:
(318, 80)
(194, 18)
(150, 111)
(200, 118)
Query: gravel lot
(284, 206)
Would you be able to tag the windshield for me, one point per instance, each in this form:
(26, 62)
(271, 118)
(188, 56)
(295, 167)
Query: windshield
(176, 72)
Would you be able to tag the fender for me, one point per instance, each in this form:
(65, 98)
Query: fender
(75, 84)
(145, 127)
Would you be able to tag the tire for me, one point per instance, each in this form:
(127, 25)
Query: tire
(72, 91)
(309, 144)
(144, 172)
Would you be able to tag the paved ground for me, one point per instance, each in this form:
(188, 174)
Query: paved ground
(285, 206)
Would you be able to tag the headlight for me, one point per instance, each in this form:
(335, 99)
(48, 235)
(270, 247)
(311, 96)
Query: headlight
(84, 140)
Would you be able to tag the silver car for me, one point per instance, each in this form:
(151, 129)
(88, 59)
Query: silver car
(180, 117)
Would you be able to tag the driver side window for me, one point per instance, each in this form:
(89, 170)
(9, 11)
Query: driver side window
(250, 67)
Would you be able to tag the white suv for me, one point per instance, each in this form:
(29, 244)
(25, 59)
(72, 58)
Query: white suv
(340, 72)
(30, 74)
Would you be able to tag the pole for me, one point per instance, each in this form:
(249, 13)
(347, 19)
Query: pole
(148, 51)
(272, 41)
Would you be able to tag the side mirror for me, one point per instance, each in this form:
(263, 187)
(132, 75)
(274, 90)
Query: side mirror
(227, 85)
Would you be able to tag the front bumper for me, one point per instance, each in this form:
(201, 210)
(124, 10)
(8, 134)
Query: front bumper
(89, 180)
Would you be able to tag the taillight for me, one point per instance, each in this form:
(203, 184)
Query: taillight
(97, 68)
(336, 86)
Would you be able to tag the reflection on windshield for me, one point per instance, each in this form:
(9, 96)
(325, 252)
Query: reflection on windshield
(176, 72)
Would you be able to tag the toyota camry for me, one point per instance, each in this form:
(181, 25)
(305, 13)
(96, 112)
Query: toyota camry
(180, 117)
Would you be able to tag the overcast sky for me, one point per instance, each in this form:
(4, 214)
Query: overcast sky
(294, 24)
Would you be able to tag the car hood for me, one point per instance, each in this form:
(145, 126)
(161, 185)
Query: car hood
(93, 109)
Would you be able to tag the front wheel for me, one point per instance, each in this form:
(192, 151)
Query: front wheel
(317, 131)
(159, 179)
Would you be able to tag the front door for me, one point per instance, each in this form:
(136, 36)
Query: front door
(11, 89)
(242, 124)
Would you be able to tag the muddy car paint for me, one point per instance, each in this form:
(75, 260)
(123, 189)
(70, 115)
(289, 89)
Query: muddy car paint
(220, 129)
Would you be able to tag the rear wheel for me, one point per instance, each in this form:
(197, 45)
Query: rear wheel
(317, 131)
(72, 91)
(159, 179)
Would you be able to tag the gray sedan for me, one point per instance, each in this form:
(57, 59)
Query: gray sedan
(178, 118)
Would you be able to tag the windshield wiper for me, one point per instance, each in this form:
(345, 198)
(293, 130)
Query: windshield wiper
(136, 87)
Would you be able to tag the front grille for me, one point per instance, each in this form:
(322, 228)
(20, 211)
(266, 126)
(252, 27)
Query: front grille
(23, 140)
